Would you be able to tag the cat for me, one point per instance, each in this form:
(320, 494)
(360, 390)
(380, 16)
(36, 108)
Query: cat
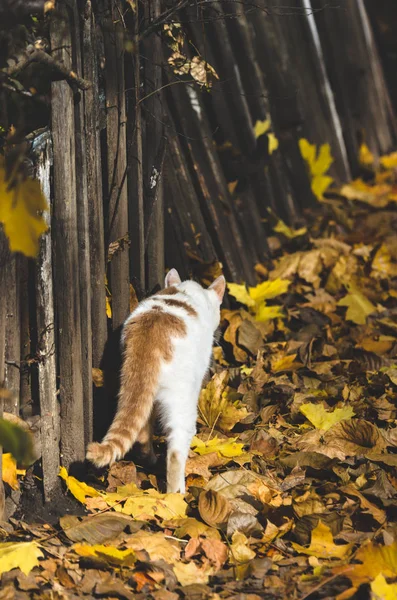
(167, 347)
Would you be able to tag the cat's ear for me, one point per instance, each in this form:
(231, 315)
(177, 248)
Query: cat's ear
(172, 278)
(219, 286)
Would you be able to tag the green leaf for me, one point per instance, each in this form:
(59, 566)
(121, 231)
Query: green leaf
(18, 442)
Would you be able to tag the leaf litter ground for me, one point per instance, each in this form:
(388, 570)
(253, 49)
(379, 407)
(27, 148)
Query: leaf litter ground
(292, 486)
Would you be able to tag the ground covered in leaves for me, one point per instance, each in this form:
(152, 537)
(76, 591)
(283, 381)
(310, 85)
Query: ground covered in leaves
(292, 486)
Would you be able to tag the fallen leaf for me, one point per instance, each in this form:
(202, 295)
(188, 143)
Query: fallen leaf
(190, 573)
(193, 528)
(227, 448)
(381, 590)
(96, 529)
(19, 555)
(318, 166)
(214, 508)
(110, 554)
(374, 560)
(358, 307)
(288, 232)
(240, 552)
(10, 471)
(324, 419)
(79, 489)
(156, 545)
(97, 377)
(356, 437)
(322, 544)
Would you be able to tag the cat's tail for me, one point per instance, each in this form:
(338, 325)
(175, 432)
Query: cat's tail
(139, 381)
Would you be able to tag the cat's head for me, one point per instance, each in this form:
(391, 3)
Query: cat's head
(211, 297)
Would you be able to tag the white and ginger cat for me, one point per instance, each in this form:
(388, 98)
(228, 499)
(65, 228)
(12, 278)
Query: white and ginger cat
(167, 344)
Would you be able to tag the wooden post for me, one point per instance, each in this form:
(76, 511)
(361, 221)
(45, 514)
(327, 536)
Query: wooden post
(12, 335)
(66, 250)
(94, 187)
(83, 231)
(4, 257)
(117, 223)
(45, 322)
(136, 209)
(153, 113)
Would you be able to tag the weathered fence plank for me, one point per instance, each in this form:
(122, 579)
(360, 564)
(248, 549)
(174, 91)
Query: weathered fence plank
(66, 250)
(117, 199)
(153, 113)
(13, 334)
(46, 348)
(94, 187)
(356, 78)
(83, 231)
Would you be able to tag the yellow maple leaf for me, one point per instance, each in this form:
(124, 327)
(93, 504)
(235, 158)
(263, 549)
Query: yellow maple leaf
(322, 544)
(214, 406)
(10, 471)
(79, 489)
(239, 550)
(190, 573)
(19, 555)
(109, 553)
(389, 161)
(261, 127)
(365, 155)
(240, 292)
(318, 166)
(269, 289)
(288, 232)
(374, 560)
(266, 313)
(228, 448)
(324, 419)
(358, 306)
(20, 209)
(273, 142)
(284, 363)
(381, 590)
(149, 504)
(156, 545)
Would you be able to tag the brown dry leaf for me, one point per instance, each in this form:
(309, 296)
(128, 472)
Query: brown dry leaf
(193, 528)
(214, 508)
(121, 473)
(190, 573)
(96, 529)
(356, 437)
(97, 377)
(156, 545)
(368, 507)
(200, 465)
(234, 319)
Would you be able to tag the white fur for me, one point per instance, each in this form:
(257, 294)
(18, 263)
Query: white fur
(181, 379)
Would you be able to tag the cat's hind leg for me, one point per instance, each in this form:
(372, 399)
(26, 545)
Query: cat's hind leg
(179, 414)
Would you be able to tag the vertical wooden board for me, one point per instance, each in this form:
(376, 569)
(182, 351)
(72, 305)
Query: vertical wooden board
(66, 251)
(25, 402)
(190, 119)
(356, 78)
(383, 20)
(83, 229)
(12, 335)
(152, 109)
(117, 200)
(136, 209)
(94, 187)
(4, 257)
(45, 323)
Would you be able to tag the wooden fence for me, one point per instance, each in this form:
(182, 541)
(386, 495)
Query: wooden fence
(137, 171)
